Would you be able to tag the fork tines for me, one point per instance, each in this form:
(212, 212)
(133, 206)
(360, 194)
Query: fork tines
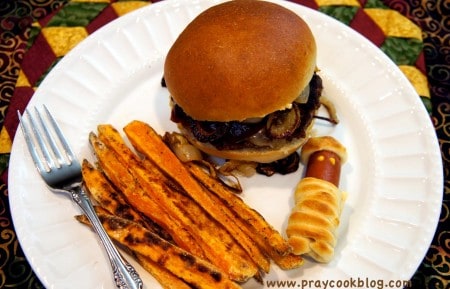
(45, 140)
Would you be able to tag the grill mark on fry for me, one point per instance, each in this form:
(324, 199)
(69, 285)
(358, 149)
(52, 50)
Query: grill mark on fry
(151, 238)
(166, 278)
(114, 224)
(162, 260)
(216, 276)
(188, 258)
(124, 211)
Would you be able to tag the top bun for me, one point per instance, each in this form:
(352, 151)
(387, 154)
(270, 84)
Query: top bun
(239, 60)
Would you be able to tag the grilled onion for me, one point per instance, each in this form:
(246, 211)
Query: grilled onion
(181, 147)
(283, 123)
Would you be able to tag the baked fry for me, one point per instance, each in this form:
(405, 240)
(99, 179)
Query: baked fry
(191, 269)
(165, 278)
(138, 197)
(219, 247)
(145, 140)
(106, 195)
(102, 191)
(250, 221)
(255, 221)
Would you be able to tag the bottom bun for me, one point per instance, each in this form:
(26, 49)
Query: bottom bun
(255, 154)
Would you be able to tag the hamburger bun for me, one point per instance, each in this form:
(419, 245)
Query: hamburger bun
(240, 60)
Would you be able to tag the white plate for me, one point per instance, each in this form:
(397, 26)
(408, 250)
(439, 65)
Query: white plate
(393, 176)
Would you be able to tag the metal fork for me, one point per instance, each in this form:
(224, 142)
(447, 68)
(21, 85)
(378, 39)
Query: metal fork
(58, 166)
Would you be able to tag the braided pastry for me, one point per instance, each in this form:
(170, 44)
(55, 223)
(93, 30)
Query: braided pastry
(318, 201)
(314, 219)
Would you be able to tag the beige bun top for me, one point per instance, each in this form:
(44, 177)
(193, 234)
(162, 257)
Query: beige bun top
(240, 59)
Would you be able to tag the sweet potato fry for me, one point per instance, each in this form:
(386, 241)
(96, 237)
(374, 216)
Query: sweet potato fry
(138, 197)
(269, 240)
(102, 191)
(193, 270)
(250, 221)
(288, 262)
(106, 195)
(259, 225)
(145, 140)
(165, 278)
(218, 245)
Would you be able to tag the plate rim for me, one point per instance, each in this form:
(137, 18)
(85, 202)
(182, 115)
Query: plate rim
(174, 3)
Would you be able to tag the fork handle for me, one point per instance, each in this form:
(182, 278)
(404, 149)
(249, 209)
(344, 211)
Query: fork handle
(125, 276)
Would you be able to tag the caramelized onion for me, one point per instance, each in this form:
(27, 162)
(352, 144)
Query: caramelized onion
(242, 168)
(331, 109)
(228, 178)
(181, 147)
(284, 166)
(209, 131)
(283, 123)
(304, 95)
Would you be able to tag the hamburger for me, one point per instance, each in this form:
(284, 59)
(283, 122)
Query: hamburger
(243, 83)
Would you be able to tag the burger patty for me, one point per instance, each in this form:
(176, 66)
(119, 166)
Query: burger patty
(283, 125)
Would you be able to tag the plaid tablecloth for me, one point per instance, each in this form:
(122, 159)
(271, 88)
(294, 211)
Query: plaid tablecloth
(36, 34)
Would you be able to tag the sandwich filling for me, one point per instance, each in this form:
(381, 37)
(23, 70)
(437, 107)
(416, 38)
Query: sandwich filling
(272, 131)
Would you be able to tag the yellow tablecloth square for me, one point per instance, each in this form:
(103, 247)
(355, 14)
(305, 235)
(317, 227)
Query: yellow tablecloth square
(63, 39)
